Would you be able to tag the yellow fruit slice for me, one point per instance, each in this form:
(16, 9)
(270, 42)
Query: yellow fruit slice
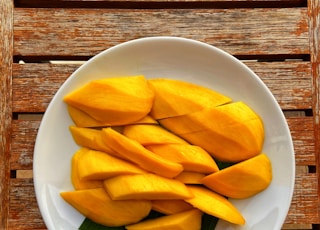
(115, 101)
(174, 98)
(191, 157)
(145, 186)
(242, 180)
(170, 206)
(231, 132)
(77, 183)
(136, 153)
(151, 134)
(214, 204)
(190, 177)
(188, 220)
(97, 206)
(96, 165)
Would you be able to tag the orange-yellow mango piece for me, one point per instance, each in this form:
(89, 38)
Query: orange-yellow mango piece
(214, 204)
(191, 157)
(77, 183)
(114, 101)
(151, 134)
(187, 177)
(230, 133)
(96, 205)
(136, 153)
(96, 165)
(188, 220)
(242, 180)
(147, 186)
(175, 98)
(170, 206)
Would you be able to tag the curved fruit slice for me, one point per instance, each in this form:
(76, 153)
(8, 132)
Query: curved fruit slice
(151, 134)
(230, 133)
(97, 206)
(243, 179)
(174, 98)
(191, 157)
(96, 165)
(115, 101)
(145, 186)
(77, 183)
(136, 153)
(214, 204)
(170, 206)
(188, 220)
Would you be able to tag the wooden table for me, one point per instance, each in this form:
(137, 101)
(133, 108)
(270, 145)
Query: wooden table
(43, 42)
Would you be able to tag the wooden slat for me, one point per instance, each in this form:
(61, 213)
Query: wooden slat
(79, 32)
(24, 134)
(6, 47)
(44, 80)
(24, 212)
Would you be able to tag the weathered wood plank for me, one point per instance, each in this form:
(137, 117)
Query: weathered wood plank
(24, 212)
(37, 83)
(6, 49)
(24, 134)
(314, 14)
(80, 32)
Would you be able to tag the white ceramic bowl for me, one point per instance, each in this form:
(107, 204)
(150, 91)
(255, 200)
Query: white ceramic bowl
(176, 58)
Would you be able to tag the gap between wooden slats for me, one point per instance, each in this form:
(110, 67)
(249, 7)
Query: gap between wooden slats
(161, 3)
(86, 32)
(43, 80)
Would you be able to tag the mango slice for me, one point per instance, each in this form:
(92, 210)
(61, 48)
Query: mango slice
(187, 177)
(236, 133)
(97, 206)
(191, 157)
(188, 220)
(145, 186)
(214, 204)
(115, 101)
(82, 119)
(175, 98)
(89, 138)
(136, 153)
(170, 206)
(242, 180)
(77, 183)
(96, 165)
(151, 134)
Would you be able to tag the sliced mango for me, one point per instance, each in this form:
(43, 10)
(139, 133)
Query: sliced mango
(214, 204)
(145, 186)
(89, 138)
(136, 153)
(191, 157)
(151, 134)
(77, 183)
(175, 98)
(115, 101)
(170, 206)
(96, 165)
(97, 206)
(242, 180)
(235, 133)
(187, 177)
(188, 220)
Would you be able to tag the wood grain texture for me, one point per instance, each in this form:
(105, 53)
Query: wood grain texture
(79, 32)
(6, 46)
(37, 83)
(314, 14)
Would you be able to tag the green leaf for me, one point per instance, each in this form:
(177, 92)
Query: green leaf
(88, 224)
(208, 222)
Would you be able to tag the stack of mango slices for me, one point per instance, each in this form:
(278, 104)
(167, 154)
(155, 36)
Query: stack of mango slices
(152, 144)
